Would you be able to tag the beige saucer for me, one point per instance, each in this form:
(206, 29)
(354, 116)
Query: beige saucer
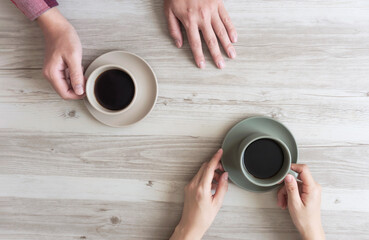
(147, 88)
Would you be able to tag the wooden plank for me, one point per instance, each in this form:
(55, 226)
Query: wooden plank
(173, 158)
(76, 219)
(132, 190)
(326, 36)
(316, 116)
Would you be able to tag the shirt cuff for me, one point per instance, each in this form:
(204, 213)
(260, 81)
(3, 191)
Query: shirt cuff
(32, 9)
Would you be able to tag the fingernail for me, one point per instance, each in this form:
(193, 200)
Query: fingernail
(289, 178)
(225, 176)
(232, 53)
(78, 89)
(219, 149)
(234, 38)
(221, 64)
(202, 64)
(178, 43)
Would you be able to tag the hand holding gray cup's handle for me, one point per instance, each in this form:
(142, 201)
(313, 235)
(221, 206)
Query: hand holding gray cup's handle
(295, 175)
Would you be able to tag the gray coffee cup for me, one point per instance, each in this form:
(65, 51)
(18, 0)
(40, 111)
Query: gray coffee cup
(280, 175)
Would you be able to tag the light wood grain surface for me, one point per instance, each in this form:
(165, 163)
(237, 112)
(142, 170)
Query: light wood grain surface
(63, 175)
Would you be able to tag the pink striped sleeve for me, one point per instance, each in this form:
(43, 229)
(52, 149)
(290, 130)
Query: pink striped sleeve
(34, 8)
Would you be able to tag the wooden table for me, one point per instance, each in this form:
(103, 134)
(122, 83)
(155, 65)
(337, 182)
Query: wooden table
(63, 175)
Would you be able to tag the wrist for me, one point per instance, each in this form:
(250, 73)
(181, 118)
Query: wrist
(183, 232)
(313, 233)
(52, 21)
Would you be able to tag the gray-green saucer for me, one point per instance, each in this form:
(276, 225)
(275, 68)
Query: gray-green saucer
(241, 130)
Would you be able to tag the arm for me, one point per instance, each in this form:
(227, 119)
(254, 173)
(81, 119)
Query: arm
(200, 206)
(303, 203)
(63, 50)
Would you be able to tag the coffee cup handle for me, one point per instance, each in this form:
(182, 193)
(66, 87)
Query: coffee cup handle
(294, 174)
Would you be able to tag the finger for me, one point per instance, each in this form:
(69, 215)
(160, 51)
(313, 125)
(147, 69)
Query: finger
(200, 173)
(292, 191)
(221, 189)
(174, 28)
(281, 197)
(194, 40)
(58, 81)
(209, 171)
(222, 35)
(76, 74)
(304, 174)
(227, 23)
(212, 42)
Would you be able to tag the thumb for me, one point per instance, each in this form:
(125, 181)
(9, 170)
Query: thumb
(221, 189)
(76, 75)
(292, 190)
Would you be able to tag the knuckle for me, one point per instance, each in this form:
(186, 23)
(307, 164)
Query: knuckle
(173, 32)
(199, 193)
(217, 57)
(65, 96)
(226, 20)
(291, 188)
(204, 14)
(189, 15)
(52, 75)
(221, 33)
(232, 30)
(195, 44)
(46, 72)
(304, 167)
(212, 42)
(188, 22)
(76, 77)
(229, 46)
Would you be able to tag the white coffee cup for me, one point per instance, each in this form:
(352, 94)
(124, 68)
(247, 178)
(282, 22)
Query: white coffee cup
(90, 89)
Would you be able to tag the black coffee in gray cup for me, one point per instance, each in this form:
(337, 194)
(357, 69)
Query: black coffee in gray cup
(263, 158)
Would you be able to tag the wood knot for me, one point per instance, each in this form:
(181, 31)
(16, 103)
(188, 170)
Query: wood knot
(274, 115)
(149, 183)
(72, 113)
(114, 220)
